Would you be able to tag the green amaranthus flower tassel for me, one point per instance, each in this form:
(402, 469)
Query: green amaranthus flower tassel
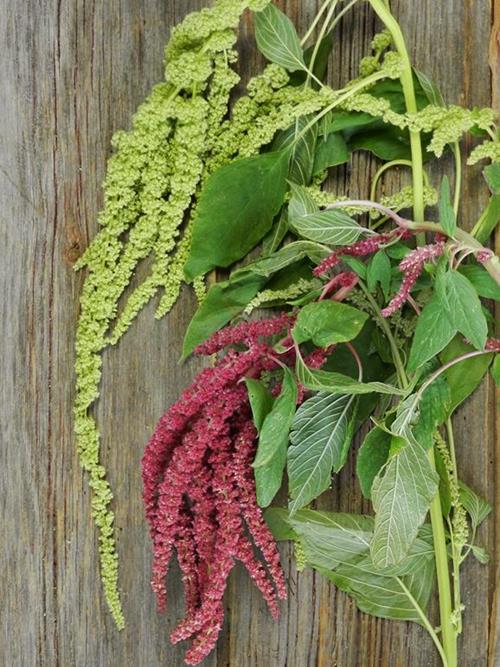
(151, 183)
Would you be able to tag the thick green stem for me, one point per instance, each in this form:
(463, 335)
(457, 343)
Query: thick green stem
(448, 632)
(384, 13)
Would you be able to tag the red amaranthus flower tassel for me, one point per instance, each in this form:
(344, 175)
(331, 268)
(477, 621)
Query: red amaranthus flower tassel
(199, 490)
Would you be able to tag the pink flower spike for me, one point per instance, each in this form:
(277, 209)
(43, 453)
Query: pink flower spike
(412, 266)
(493, 344)
(361, 248)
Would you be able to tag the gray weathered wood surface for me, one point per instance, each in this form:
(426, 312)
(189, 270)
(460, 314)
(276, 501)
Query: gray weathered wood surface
(72, 73)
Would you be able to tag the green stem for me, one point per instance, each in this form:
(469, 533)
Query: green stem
(448, 632)
(458, 177)
(383, 11)
(349, 92)
(321, 36)
(425, 622)
(313, 25)
(396, 357)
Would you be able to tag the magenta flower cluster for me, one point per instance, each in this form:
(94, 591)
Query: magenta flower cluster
(362, 248)
(199, 490)
(411, 267)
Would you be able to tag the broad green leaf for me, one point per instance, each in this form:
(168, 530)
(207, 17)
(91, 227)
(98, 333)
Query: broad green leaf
(492, 175)
(330, 152)
(289, 254)
(261, 401)
(379, 272)
(447, 216)
(480, 554)
(277, 38)
(430, 88)
(432, 411)
(387, 143)
(273, 440)
(355, 265)
(328, 322)
(302, 147)
(235, 210)
(331, 226)
(330, 539)
(432, 334)
(483, 283)
(319, 445)
(462, 306)
(488, 220)
(384, 596)
(301, 203)
(406, 414)
(277, 519)
(495, 370)
(466, 376)
(372, 456)
(320, 63)
(337, 383)
(401, 495)
(476, 507)
(223, 302)
(272, 241)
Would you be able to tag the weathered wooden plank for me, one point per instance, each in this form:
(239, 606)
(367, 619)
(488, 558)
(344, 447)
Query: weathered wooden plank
(74, 73)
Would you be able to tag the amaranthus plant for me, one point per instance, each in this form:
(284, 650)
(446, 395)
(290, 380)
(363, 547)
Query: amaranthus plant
(382, 327)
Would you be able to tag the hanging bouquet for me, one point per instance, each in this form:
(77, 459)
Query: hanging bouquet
(375, 320)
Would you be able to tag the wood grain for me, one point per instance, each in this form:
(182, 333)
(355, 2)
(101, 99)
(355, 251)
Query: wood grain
(72, 73)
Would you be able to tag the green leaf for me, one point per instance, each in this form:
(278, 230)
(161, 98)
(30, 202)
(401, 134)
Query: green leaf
(401, 495)
(279, 230)
(488, 220)
(279, 525)
(387, 143)
(383, 596)
(337, 383)
(430, 89)
(480, 554)
(495, 370)
(379, 271)
(330, 152)
(331, 226)
(466, 376)
(372, 456)
(319, 445)
(476, 507)
(223, 302)
(330, 539)
(433, 411)
(235, 210)
(272, 447)
(277, 39)
(483, 283)
(492, 175)
(328, 322)
(289, 254)
(432, 334)
(301, 202)
(462, 306)
(447, 216)
(302, 149)
(355, 265)
(261, 401)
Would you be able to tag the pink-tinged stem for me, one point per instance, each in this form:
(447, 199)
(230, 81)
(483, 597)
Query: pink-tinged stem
(485, 256)
(449, 364)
